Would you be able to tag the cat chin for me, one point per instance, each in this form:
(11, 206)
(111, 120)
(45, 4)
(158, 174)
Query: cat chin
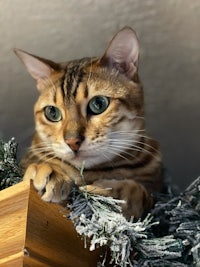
(86, 161)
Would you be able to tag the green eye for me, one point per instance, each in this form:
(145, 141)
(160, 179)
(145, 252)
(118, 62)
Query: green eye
(97, 105)
(52, 113)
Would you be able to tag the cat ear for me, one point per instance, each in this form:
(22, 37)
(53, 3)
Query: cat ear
(122, 53)
(38, 68)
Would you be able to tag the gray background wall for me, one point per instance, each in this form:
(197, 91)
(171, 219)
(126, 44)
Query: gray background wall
(169, 34)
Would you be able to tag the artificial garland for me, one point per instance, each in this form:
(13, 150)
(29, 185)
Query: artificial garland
(10, 172)
(168, 236)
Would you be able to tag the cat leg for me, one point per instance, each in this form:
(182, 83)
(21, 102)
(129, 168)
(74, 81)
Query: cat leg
(95, 189)
(137, 198)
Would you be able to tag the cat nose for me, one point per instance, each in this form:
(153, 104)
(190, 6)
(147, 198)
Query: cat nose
(74, 143)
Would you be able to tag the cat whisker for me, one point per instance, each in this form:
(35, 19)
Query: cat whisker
(123, 134)
(125, 141)
(48, 157)
(126, 132)
(116, 154)
(122, 151)
(42, 154)
(133, 147)
(121, 144)
(147, 145)
(133, 142)
(40, 149)
(131, 134)
(40, 145)
(107, 158)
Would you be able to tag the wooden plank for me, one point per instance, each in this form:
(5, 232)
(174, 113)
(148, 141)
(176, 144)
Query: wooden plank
(13, 215)
(15, 260)
(35, 233)
(52, 239)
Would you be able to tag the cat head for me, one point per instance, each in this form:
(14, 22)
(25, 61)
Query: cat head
(89, 109)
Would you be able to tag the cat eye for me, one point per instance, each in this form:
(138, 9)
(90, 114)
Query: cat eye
(97, 105)
(52, 113)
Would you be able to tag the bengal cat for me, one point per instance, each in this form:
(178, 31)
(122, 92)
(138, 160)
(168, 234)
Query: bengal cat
(92, 110)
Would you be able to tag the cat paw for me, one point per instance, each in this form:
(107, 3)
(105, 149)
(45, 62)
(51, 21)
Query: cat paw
(56, 191)
(51, 186)
(39, 173)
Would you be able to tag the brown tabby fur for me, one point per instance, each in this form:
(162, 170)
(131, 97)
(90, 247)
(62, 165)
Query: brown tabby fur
(120, 159)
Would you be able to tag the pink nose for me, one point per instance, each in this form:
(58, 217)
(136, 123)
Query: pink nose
(74, 143)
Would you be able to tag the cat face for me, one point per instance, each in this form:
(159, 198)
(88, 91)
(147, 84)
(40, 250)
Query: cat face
(89, 110)
(103, 117)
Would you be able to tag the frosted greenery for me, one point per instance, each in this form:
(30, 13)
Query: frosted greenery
(10, 172)
(169, 236)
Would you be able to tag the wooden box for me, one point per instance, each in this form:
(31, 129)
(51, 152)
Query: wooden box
(36, 234)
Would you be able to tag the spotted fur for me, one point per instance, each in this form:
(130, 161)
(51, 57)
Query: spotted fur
(119, 158)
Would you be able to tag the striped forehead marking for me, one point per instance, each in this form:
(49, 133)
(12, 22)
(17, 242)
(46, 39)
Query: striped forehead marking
(73, 76)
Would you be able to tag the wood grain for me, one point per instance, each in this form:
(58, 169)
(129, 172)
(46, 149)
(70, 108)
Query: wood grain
(13, 218)
(36, 234)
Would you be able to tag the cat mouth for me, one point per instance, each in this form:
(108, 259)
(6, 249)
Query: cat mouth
(83, 156)
(80, 157)
(79, 160)
(89, 157)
